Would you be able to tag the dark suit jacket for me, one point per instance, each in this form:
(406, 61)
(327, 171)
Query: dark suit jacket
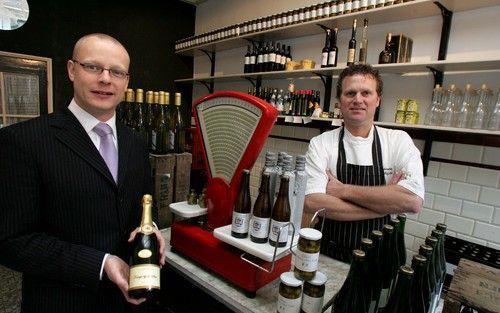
(61, 211)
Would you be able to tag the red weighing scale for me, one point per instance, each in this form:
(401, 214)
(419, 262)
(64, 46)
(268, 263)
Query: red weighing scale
(233, 128)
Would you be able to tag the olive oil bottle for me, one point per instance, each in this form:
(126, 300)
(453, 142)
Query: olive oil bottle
(144, 277)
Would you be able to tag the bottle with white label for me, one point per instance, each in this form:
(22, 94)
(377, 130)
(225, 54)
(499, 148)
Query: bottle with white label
(261, 215)
(278, 233)
(242, 208)
(313, 294)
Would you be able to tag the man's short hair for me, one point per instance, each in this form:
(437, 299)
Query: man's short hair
(360, 69)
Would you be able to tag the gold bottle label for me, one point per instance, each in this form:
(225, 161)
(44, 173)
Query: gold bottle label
(144, 276)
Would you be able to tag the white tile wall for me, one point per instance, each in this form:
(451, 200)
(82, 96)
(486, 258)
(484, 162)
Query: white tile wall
(433, 169)
(431, 217)
(416, 228)
(442, 150)
(447, 204)
(487, 232)
(437, 185)
(482, 176)
(429, 200)
(490, 196)
(496, 217)
(471, 239)
(477, 211)
(467, 153)
(459, 224)
(491, 156)
(417, 242)
(452, 171)
(464, 191)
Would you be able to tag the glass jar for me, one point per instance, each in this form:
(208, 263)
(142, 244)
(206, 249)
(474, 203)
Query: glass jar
(192, 197)
(290, 293)
(307, 254)
(313, 294)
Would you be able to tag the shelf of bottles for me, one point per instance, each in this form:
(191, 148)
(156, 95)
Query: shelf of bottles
(303, 21)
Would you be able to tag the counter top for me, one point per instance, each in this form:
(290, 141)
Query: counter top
(234, 297)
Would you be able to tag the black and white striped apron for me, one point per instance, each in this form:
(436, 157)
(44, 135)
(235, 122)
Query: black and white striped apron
(339, 237)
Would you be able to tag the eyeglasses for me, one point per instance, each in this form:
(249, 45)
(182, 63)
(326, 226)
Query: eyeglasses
(97, 69)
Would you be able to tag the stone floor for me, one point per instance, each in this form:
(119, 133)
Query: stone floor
(10, 290)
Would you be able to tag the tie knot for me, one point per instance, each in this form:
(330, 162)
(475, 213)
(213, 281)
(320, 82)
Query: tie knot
(103, 129)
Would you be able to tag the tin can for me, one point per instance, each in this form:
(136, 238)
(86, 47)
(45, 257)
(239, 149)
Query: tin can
(402, 104)
(411, 117)
(400, 117)
(412, 106)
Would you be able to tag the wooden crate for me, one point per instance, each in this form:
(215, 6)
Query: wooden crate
(474, 285)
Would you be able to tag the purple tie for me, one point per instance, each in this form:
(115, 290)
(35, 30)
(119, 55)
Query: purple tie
(107, 148)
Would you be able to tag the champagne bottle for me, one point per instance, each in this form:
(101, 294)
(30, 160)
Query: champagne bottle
(176, 130)
(369, 268)
(395, 243)
(128, 109)
(149, 107)
(144, 278)
(160, 132)
(418, 288)
(242, 208)
(387, 55)
(442, 227)
(141, 124)
(333, 49)
(351, 296)
(388, 264)
(400, 301)
(400, 231)
(351, 53)
(280, 215)
(439, 256)
(376, 237)
(261, 215)
(363, 46)
(433, 242)
(326, 49)
(426, 251)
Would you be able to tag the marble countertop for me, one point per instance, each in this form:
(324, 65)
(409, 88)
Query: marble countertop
(233, 297)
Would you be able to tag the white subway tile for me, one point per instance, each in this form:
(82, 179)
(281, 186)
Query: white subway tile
(313, 132)
(490, 196)
(496, 217)
(467, 153)
(491, 156)
(472, 239)
(451, 233)
(447, 204)
(477, 211)
(464, 191)
(483, 176)
(409, 256)
(487, 232)
(459, 224)
(431, 217)
(416, 229)
(437, 185)
(300, 132)
(409, 239)
(417, 242)
(429, 200)
(287, 131)
(276, 131)
(442, 150)
(493, 245)
(433, 169)
(452, 171)
(281, 145)
(412, 216)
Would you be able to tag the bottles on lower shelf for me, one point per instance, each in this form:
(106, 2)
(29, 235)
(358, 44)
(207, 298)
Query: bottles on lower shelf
(266, 57)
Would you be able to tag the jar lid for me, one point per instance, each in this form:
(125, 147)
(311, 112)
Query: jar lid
(310, 234)
(319, 279)
(288, 278)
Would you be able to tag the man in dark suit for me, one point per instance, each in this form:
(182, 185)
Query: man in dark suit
(67, 215)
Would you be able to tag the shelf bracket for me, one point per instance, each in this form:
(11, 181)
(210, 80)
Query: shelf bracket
(327, 82)
(426, 156)
(445, 30)
(325, 28)
(438, 76)
(252, 81)
(211, 57)
(208, 85)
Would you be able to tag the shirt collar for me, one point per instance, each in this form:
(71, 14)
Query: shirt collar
(87, 120)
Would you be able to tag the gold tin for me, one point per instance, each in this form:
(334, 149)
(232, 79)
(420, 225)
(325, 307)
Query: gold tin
(402, 105)
(411, 117)
(412, 106)
(400, 117)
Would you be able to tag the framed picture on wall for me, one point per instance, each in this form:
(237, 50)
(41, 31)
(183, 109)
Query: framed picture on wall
(25, 87)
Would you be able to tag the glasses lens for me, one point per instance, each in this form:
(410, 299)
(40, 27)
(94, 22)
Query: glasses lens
(118, 73)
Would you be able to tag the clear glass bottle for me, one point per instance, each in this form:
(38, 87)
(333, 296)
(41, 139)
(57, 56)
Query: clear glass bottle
(453, 98)
(363, 46)
(464, 115)
(494, 120)
(481, 110)
(434, 112)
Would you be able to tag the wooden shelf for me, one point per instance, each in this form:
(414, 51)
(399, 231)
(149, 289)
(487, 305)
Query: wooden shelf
(394, 13)
(396, 68)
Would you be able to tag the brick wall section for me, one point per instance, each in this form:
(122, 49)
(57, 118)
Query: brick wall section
(466, 198)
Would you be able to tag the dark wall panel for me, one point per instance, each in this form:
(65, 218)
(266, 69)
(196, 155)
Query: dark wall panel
(147, 28)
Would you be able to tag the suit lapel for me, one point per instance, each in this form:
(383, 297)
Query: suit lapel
(124, 148)
(71, 133)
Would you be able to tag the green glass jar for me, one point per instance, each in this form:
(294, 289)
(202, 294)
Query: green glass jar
(290, 293)
(313, 294)
(307, 254)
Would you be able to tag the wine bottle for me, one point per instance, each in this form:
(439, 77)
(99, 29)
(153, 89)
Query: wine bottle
(128, 109)
(260, 58)
(271, 62)
(277, 62)
(242, 208)
(363, 46)
(351, 53)
(159, 135)
(144, 277)
(388, 264)
(418, 287)
(176, 128)
(326, 49)
(400, 231)
(426, 251)
(252, 68)
(376, 237)
(333, 49)
(246, 67)
(369, 268)
(261, 215)
(400, 301)
(351, 296)
(280, 215)
(141, 123)
(149, 117)
(442, 227)
(387, 55)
